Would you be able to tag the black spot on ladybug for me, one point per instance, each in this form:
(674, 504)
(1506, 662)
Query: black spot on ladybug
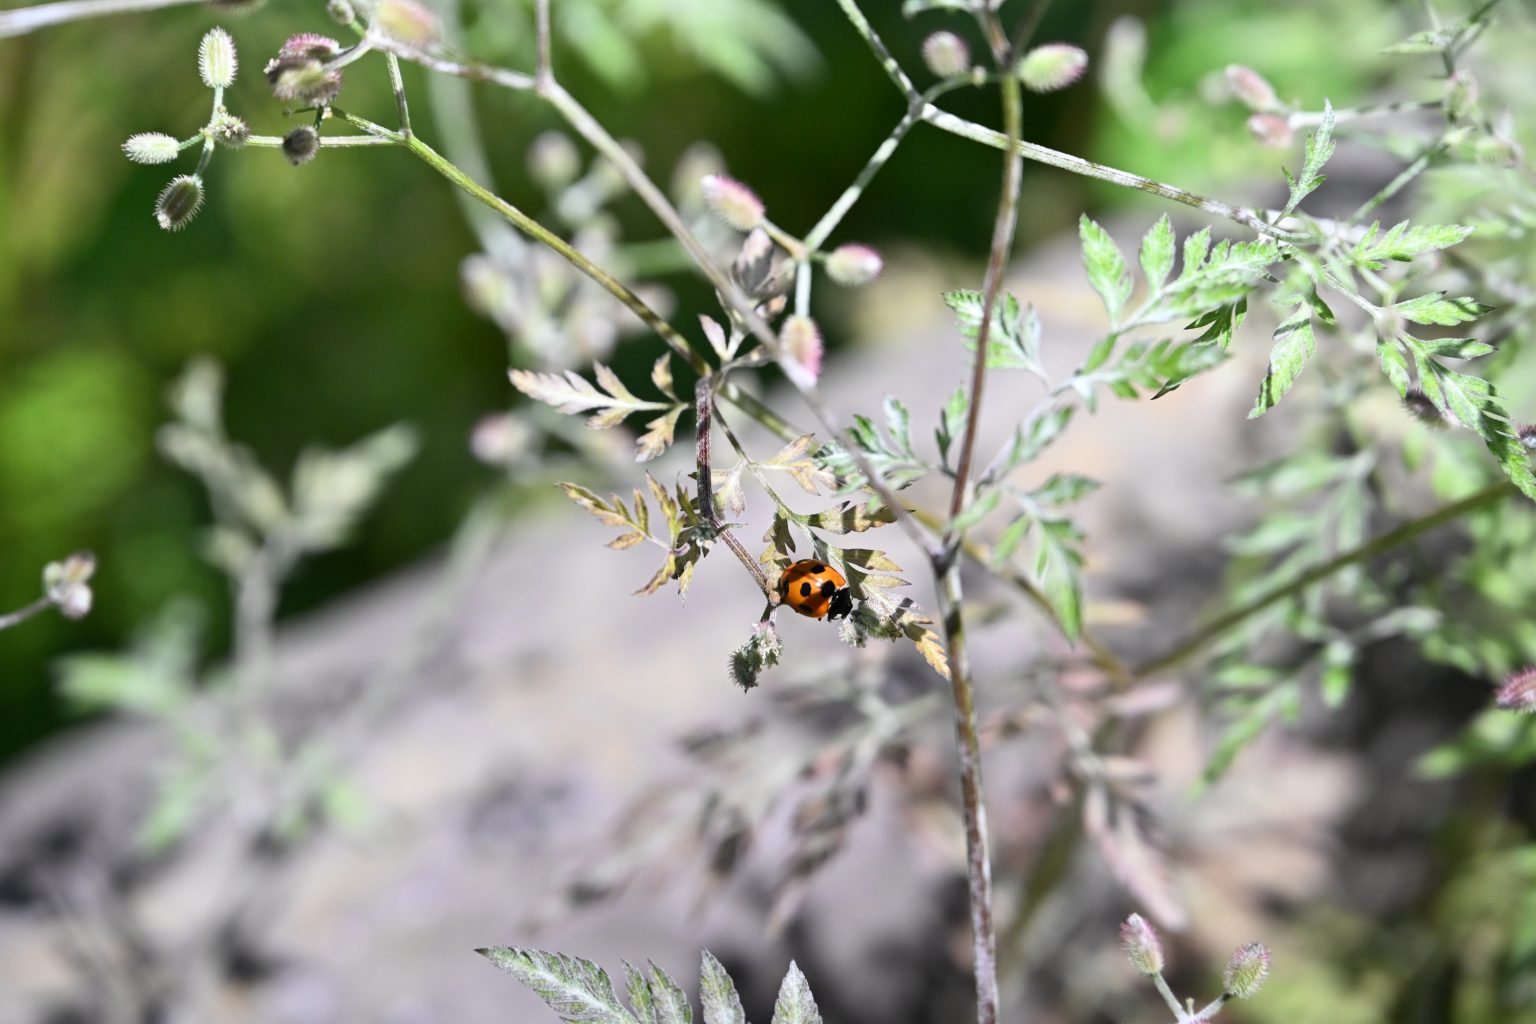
(827, 588)
(818, 567)
(805, 590)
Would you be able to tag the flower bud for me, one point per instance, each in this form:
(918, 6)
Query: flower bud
(229, 129)
(409, 22)
(1519, 691)
(946, 55)
(341, 11)
(1246, 971)
(1051, 67)
(310, 44)
(1251, 89)
(801, 339)
(1271, 130)
(501, 439)
(854, 265)
(1526, 432)
(216, 59)
(301, 76)
(179, 203)
(731, 201)
(1422, 408)
(1142, 947)
(301, 145)
(553, 160)
(151, 148)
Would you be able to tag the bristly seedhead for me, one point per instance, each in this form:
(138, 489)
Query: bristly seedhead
(1271, 130)
(801, 339)
(1251, 89)
(760, 653)
(853, 265)
(409, 22)
(1142, 947)
(299, 71)
(1422, 408)
(179, 203)
(229, 129)
(342, 12)
(1246, 971)
(301, 145)
(216, 59)
(309, 44)
(731, 201)
(1519, 691)
(151, 148)
(946, 55)
(1051, 67)
(1526, 432)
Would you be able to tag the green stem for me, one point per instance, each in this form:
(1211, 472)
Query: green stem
(1490, 495)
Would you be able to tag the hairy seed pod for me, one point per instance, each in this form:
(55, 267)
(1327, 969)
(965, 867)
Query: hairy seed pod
(801, 339)
(1051, 67)
(216, 59)
(151, 148)
(301, 145)
(853, 265)
(179, 203)
(946, 55)
(1142, 947)
(1246, 971)
(731, 201)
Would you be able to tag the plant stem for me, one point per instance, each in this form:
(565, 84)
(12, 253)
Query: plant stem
(947, 569)
(398, 84)
(1077, 165)
(29, 19)
(1490, 495)
(21, 615)
(704, 396)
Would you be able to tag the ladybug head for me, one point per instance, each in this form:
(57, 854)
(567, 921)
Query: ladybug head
(842, 605)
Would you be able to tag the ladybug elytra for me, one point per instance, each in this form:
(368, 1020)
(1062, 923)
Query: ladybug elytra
(815, 589)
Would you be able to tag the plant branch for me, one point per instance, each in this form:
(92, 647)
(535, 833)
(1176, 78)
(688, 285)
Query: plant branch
(29, 19)
(1490, 495)
(21, 615)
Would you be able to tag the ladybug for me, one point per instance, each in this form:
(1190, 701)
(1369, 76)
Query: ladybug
(815, 589)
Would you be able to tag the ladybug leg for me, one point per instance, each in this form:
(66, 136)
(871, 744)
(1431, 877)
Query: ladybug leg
(842, 605)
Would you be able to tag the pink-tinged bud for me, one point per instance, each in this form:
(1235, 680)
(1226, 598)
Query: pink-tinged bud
(801, 339)
(1251, 89)
(304, 78)
(1526, 432)
(179, 203)
(216, 60)
(500, 439)
(1051, 67)
(1519, 691)
(409, 22)
(1246, 971)
(1271, 130)
(853, 265)
(732, 202)
(1461, 92)
(946, 55)
(151, 148)
(310, 44)
(301, 145)
(1142, 947)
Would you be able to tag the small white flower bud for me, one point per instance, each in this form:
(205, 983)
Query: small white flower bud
(946, 55)
(1051, 67)
(216, 59)
(151, 148)
(853, 265)
(732, 202)
(801, 339)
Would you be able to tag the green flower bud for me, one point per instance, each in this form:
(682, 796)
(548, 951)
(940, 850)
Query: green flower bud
(1051, 67)
(301, 145)
(1246, 971)
(946, 55)
(229, 129)
(341, 11)
(179, 203)
(1142, 947)
(151, 148)
(216, 59)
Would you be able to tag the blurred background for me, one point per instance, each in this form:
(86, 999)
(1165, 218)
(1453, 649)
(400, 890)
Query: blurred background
(337, 299)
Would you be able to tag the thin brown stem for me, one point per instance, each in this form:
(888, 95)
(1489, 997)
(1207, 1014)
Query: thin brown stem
(704, 398)
(21, 615)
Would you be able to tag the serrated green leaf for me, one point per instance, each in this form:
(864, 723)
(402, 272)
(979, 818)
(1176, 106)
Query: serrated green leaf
(1157, 253)
(1435, 309)
(1056, 570)
(951, 422)
(1294, 345)
(1427, 41)
(571, 393)
(850, 517)
(579, 991)
(1106, 267)
(795, 1004)
(978, 509)
(639, 990)
(1319, 150)
(1405, 241)
(658, 434)
(717, 993)
(672, 1006)
(1064, 489)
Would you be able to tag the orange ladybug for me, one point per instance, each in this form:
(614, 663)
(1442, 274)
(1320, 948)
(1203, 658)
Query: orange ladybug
(815, 589)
